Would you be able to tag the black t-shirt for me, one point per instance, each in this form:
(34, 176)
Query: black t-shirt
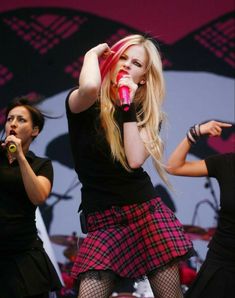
(105, 182)
(17, 212)
(222, 167)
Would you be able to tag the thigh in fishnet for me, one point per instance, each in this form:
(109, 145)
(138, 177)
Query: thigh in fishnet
(166, 283)
(92, 287)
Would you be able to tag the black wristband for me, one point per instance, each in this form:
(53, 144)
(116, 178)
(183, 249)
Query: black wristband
(190, 138)
(194, 133)
(129, 115)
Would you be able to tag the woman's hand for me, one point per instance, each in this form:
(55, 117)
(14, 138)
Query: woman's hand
(89, 79)
(127, 81)
(178, 163)
(101, 50)
(213, 128)
(17, 142)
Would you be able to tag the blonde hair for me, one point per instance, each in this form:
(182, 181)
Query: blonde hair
(148, 99)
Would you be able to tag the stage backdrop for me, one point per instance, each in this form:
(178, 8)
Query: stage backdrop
(42, 44)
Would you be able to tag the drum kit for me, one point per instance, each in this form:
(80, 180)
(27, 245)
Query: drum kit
(71, 242)
(142, 288)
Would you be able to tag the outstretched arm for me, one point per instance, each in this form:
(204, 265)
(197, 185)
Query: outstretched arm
(179, 165)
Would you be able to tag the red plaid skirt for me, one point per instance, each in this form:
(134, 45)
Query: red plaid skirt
(132, 241)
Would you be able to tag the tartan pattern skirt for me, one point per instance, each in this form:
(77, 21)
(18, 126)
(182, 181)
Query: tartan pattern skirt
(132, 241)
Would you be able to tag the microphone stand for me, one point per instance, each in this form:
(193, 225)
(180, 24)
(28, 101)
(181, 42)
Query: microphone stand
(65, 196)
(47, 209)
(199, 204)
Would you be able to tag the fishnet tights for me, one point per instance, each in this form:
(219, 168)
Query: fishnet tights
(166, 283)
(96, 288)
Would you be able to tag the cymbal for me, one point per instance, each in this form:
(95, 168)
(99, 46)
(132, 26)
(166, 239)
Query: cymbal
(194, 229)
(198, 233)
(66, 240)
(71, 251)
(209, 233)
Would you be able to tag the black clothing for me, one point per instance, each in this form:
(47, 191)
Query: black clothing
(105, 182)
(217, 274)
(17, 212)
(223, 169)
(130, 230)
(25, 268)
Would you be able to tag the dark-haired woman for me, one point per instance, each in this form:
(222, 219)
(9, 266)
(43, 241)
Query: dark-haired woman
(217, 273)
(25, 183)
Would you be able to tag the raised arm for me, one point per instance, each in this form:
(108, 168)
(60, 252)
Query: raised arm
(37, 187)
(179, 165)
(89, 80)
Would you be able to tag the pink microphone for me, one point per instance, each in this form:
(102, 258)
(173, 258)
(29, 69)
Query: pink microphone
(124, 92)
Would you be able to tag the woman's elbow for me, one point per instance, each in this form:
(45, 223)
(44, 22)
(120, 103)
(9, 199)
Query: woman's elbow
(135, 163)
(41, 196)
(171, 170)
(39, 200)
(135, 166)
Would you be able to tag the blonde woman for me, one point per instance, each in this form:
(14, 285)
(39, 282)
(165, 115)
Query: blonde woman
(131, 233)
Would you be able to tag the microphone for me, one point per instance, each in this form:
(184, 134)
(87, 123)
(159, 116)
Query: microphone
(11, 146)
(124, 92)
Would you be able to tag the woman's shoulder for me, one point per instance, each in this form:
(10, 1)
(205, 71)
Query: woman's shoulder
(31, 156)
(69, 110)
(94, 109)
(222, 156)
(220, 162)
(67, 98)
